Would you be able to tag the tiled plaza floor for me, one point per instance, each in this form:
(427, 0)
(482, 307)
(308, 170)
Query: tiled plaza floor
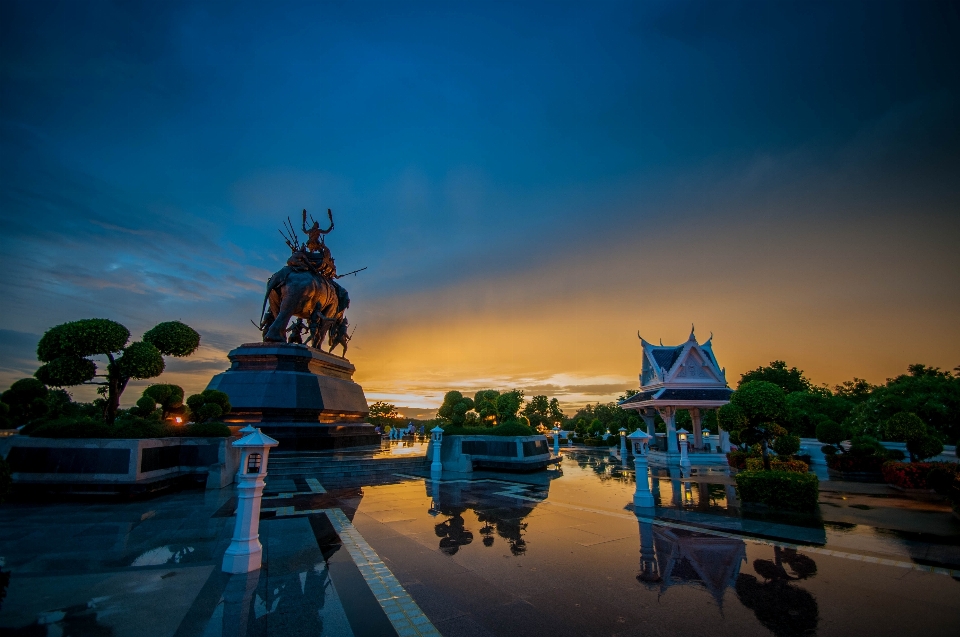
(551, 553)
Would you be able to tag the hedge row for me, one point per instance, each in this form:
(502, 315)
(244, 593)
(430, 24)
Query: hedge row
(793, 466)
(779, 489)
(506, 429)
(848, 462)
(136, 428)
(921, 475)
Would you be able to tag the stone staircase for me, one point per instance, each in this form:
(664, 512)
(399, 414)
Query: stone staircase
(332, 468)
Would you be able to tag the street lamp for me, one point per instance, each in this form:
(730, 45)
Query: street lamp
(684, 456)
(556, 439)
(623, 444)
(642, 498)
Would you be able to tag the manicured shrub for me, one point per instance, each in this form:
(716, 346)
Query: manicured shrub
(858, 464)
(927, 446)
(830, 433)
(509, 428)
(786, 446)
(738, 459)
(793, 466)
(208, 405)
(779, 489)
(72, 428)
(26, 400)
(921, 475)
(904, 427)
(912, 475)
(205, 430)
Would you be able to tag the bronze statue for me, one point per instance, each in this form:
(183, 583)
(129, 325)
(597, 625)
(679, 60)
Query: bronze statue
(340, 336)
(304, 288)
(314, 233)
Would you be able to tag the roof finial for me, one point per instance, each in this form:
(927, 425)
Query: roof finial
(661, 342)
(692, 336)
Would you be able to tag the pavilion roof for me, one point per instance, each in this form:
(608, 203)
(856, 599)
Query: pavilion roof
(686, 375)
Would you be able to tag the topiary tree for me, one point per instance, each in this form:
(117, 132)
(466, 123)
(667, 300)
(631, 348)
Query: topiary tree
(168, 398)
(787, 445)
(485, 404)
(908, 427)
(831, 434)
(208, 405)
(26, 400)
(65, 350)
(508, 405)
(455, 408)
(753, 415)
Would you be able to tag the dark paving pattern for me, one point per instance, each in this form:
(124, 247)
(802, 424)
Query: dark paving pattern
(551, 553)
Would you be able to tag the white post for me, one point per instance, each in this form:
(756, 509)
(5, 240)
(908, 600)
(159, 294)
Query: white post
(684, 457)
(245, 553)
(642, 498)
(650, 420)
(722, 436)
(669, 415)
(556, 440)
(436, 434)
(623, 444)
(697, 420)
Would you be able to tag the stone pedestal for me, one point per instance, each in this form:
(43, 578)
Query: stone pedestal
(303, 397)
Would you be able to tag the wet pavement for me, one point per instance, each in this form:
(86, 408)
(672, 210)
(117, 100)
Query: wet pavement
(558, 552)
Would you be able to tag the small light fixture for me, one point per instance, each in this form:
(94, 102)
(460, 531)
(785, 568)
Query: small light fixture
(623, 432)
(683, 434)
(253, 463)
(178, 420)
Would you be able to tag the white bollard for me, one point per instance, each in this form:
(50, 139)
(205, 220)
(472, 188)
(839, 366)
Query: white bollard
(436, 434)
(642, 497)
(245, 553)
(556, 440)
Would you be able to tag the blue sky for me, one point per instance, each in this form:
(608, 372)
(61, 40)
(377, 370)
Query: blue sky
(528, 183)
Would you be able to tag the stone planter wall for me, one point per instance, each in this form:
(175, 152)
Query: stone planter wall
(119, 465)
(509, 453)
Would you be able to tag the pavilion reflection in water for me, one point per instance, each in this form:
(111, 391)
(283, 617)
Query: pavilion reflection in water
(672, 557)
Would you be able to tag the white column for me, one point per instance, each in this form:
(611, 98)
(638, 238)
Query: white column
(669, 415)
(556, 440)
(650, 419)
(642, 497)
(696, 417)
(723, 437)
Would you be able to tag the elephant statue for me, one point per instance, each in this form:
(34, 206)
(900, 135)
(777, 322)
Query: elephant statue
(305, 294)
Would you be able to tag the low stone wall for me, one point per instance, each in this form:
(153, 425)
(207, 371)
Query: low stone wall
(510, 453)
(119, 465)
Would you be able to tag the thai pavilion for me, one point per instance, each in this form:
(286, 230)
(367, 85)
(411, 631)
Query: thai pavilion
(681, 377)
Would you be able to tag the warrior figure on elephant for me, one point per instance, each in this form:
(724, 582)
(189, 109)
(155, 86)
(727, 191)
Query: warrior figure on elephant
(304, 288)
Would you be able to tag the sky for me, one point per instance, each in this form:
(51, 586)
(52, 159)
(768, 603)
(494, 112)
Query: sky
(528, 183)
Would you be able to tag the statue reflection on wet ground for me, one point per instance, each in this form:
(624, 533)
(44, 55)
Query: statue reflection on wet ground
(677, 557)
